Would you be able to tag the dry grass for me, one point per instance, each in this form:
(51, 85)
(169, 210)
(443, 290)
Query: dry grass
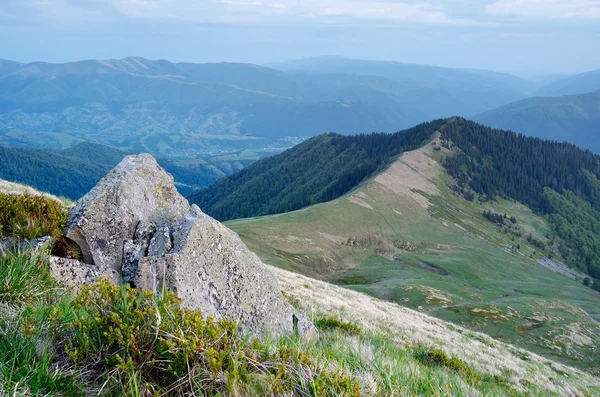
(410, 328)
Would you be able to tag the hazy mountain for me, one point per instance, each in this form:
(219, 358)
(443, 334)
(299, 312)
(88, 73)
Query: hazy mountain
(572, 118)
(185, 109)
(578, 84)
(438, 91)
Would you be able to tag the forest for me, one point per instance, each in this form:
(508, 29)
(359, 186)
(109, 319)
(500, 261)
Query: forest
(555, 179)
(73, 172)
(318, 170)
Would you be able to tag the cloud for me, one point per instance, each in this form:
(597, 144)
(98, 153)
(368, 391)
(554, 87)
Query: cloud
(326, 12)
(265, 12)
(546, 9)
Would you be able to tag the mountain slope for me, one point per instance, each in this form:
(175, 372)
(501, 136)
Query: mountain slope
(573, 118)
(406, 236)
(72, 172)
(579, 84)
(317, 170)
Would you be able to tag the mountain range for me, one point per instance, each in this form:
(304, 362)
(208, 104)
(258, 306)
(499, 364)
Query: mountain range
(187, 110)
(569, 118)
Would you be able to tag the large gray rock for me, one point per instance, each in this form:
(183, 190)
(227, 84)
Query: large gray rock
(135, 223)
(211, 269)
(137, 190)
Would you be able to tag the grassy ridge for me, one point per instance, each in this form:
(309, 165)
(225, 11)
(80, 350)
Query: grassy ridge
(437, 253)
(318, 170)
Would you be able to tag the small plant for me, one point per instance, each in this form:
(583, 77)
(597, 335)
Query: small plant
(433, 357)
(27, 367)
(332, 323)
(30, 216)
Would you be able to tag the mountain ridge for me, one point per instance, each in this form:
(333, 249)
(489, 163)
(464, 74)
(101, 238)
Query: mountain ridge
(571, 118)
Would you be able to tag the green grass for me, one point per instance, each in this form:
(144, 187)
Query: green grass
(460, 267)
(24, 279)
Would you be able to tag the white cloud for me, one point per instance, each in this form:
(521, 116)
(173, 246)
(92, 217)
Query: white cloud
(546, 9)
(339, 12)
(289, 10)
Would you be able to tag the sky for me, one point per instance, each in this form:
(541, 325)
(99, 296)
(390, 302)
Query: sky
(531, 38)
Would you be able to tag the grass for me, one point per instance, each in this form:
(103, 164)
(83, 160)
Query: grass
(452, 263)
(114, 340)
(23, 279)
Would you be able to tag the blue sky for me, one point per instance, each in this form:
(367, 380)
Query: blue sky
(527, 37)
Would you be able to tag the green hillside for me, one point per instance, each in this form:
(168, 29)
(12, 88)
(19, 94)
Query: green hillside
(407, 235)
(314, 171)
(573, 118)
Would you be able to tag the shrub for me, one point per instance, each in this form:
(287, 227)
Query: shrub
(435, 357)
(140, 343)
(30, 216)
(331, 323)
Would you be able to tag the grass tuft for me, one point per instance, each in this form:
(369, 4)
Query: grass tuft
(24, 279)
(332, 323)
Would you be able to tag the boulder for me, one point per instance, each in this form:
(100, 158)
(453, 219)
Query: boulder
(72, 274)
(135, 191)
(135, 225)
(14, 244)
(211, 269)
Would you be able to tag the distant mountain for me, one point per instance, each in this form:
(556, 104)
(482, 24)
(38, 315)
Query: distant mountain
(578, 84)
(573, 118)
(437, 91)
(74, 171)
(184, 110)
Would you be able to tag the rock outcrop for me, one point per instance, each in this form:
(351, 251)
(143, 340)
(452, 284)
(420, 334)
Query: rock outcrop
(135, 223)
(136, 190)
